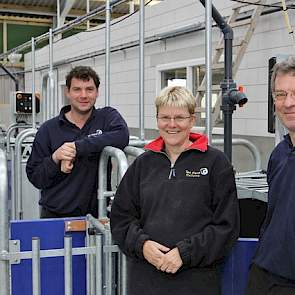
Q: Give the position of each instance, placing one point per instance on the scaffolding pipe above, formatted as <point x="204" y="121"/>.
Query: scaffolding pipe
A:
<point x="141" y="69"/>
<point x="208" y="16"/>
<point x="108" y="50"/>
<point x="33" y="85"/>
<point x="4" y="226"/>
<point x="63" y="28"/>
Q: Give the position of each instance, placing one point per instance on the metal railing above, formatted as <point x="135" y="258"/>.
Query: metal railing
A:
<point x="4" y="236"/>
<point x="103" y="193"/>
<point x="17" y="204"/>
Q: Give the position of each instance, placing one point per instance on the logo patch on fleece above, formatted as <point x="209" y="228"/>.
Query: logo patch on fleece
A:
<point x="202" y="172"/>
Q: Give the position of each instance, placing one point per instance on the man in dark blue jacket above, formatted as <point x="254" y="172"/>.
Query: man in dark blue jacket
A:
<point x="65" y="154"/>
<point x="273" y="270"/>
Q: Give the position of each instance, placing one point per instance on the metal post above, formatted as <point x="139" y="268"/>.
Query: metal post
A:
<point x="98" y="263"/>
<point x="36" y="266"/>
<point x="68" y="265"/>
<point x="33" y="85"/>
<point x="209" y="69"/>
<point x="87" y="11"/>
<point x="141" y="69"/>
<point x="108" y="266"/>
<point x="4" y="226"/>
<point x="51" y="99"/>
<point x="107" y="56"/>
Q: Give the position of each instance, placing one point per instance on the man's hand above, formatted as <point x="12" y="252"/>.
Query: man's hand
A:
<point x="154" y="252"/>
<point x="171" y="261"/>
<point x="66" y="166"/>
<point x="65" y="152"/>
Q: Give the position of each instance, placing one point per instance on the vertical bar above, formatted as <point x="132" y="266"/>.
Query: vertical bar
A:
<point x="209" y="69"/>
<point x="4" y="226"/>
<point x="107" y="60"/>
<point x="141" y="69"/>
<point x="91" y="267"/>
<point x="58" y="12"/>
<point x="33" y="85"/>
<point x="5" y="38"/>
<point x="98" y="264"/>
<point x="107" y="267"/>
<point x="87" y="11"/>
<point x="123" y="276"/>
<point x="68" y="265"/>
<point x="36" y="266"/>
<point x="53" y="105"/>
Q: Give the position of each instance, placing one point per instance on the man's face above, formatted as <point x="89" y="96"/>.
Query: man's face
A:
<point x="82" y="95"/>
<point x="285" y="106"/>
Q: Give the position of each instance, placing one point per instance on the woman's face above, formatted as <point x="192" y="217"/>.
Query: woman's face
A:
<point x="174" y="124"/>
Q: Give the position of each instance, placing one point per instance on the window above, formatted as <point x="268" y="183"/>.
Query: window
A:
<point x="191" y="74"/>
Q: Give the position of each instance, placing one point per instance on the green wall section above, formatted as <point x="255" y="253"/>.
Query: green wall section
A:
<point x="19" y="34"/>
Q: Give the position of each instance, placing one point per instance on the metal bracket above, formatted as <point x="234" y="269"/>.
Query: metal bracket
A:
<point x="14" y="250"/>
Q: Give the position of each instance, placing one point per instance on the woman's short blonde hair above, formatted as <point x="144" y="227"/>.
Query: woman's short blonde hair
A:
<point x="176" y="96"/>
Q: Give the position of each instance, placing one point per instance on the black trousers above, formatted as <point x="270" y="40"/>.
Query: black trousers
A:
<point x="262" y="282"/>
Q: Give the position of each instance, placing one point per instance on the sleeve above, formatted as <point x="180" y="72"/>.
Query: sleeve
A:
<point x="217" y="238"/>
<point x="126" y="229"/>
<point x="115" y="134"/>
<point x="41" y="170"/>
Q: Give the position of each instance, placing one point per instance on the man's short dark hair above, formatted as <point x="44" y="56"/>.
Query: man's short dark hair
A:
<point x="82" y="73"/>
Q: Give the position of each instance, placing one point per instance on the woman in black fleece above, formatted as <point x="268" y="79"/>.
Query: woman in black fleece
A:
<point x="175" y="213"/>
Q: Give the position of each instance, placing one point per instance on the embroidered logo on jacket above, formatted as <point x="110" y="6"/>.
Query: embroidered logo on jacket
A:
<point x="202" y="172"/>
<point x="95" y="134"/>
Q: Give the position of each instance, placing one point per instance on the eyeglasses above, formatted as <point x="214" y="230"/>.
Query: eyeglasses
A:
<point x="177" y="119"/>
<point x="281" y="95"/>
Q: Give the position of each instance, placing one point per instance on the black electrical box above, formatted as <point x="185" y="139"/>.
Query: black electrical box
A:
<point x="23" y="103"/>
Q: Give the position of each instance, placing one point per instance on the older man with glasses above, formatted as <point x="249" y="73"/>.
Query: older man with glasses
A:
<point x="273" y="269"/>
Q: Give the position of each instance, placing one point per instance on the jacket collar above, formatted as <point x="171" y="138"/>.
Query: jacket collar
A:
<point x="200" y="142"/>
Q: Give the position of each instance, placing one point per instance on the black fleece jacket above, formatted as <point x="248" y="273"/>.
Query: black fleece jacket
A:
<point x="192" y="205"/>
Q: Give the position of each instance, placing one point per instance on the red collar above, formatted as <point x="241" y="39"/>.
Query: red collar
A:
<point x="200" y="142"/>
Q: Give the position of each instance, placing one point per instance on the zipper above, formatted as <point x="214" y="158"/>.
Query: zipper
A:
<point x="172" y="173"/>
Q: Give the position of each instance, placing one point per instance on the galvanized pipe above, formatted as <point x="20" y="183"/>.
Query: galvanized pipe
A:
<point x="36" y="277"/>
<point x="98" y="264"/>
<point x="33" y="84"/>
<point x="248" y="144"/>
<point x="102" y="179"/>
<point x="141" y="69"/>
<point x="11" y="128"/>
<point x="108" y="50"/>
<point x="68" y="268"/>
<point x="53" y="105"/>
<point x="18" y="207"/>
<point x="4" y="226"/>
<point x="108" y="265"/>
<point x="123" y="274"/>
<point x="133" y="151"/>
<point x="208" y="16"/>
